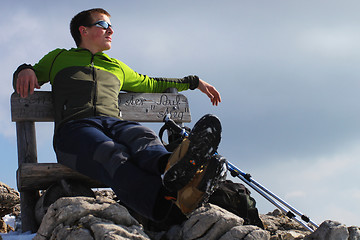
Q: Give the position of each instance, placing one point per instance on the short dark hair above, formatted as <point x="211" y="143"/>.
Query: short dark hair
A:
<point x="83" y="18"/>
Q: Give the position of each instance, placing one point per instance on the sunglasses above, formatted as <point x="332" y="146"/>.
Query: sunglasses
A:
<point x="102" y="24"/>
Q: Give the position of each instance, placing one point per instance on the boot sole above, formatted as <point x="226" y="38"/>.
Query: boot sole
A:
<point x="217" y="167"/>
<point x="204" y="140"/>
<point x="199" y="190"/>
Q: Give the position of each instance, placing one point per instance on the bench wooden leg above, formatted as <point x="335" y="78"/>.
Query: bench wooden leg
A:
<point x="26" y="144"/>
<point x="28" y="201"/>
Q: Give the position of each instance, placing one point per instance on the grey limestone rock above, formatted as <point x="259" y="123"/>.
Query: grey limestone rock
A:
<point x="209" y="222"/>
<point x="247" y="233"/>
<point x="329" y="230"/>
<point x="9" y="199"/>
<point x="354" y="233"/>
<point x="88" y="218"/>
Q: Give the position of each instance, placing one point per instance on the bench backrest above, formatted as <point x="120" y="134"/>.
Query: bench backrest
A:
<point x="140" y="107"/>
<point x="38" y="107"/>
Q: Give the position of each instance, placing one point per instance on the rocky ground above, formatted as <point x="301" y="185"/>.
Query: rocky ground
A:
<point x="9" y="204"/>
<point x="103" y="218"/>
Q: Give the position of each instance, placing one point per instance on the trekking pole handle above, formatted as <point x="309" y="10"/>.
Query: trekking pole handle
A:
<point x="174" y="126"/>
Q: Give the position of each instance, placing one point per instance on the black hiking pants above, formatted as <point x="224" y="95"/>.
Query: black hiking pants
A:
<point x="124" y="155"/>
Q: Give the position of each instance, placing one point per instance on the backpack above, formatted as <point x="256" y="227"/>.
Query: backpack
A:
<point x="235" y="198"/>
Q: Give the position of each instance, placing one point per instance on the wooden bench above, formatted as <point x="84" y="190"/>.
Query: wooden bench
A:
<point x="33" y="176"/>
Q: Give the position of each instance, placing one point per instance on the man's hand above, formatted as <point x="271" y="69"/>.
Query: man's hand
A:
<point x="26" y="82"/>
<point x="210" y="91"/>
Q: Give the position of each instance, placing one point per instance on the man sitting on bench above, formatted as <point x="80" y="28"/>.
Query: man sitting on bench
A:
<point x="91" y="138"/>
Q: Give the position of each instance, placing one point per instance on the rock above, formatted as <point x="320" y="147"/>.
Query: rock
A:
<point x="174" y="233"/>
<point x="9" y="199"/>
<point x="102" y="218"/>
<point x="354" y="233"/>
<point x="97" y="228"/>
<point x="9" y="204"/>
<point x="67" y="232"/>
<point x="288" y="235"/>
<point x="88" y="218"/>
<point x="5" y="228"/>
<point x="329" y="230"/>
<point x="62" y="188"/>
<point x="209" y="222"/>
<point x="277" y="221"/>
<point x="106" y="194"/>
<point x="282" y="227"/>
<point x="247" y="232"/>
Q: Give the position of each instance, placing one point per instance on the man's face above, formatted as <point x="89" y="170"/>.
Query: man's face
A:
<point x="98" y="39"/>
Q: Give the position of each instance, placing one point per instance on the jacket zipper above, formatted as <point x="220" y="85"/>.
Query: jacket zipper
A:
<point x="95" y="83"/>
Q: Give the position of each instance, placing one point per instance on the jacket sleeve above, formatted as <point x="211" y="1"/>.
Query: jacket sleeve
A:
<point x="135" y="82"/>
<point x="42" y="68"/>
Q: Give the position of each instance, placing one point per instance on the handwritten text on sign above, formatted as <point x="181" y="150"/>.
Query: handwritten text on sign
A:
<point x="159" y="104"/>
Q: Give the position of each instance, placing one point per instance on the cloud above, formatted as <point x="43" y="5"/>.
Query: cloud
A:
<point x="26" y="43"/>
<point x="322" y="188"/>
<point x="295" y="194"/>
<point x="337" y="42"/>
<point x="24" y="25"/>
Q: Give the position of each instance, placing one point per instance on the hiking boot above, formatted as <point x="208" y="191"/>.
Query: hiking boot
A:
<point x="192" y="153"/>
<point x="200" y="188"/>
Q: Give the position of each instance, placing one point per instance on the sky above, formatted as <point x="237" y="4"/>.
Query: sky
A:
<point x="287" y="72"/>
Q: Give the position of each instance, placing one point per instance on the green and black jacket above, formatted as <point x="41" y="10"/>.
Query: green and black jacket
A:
<point x="86" y="84"/>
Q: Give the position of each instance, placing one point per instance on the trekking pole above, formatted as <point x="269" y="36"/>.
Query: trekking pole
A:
<point x="246" y="177"/>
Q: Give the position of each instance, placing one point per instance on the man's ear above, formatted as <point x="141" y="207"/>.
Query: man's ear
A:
<point x="82" y="30"/>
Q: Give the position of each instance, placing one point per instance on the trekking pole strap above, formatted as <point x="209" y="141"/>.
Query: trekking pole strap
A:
<point x="174" y="126"/>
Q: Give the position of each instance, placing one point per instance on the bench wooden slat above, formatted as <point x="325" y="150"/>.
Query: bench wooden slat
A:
<point x="140" y="107"/>
<point x="40" y="176"/>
